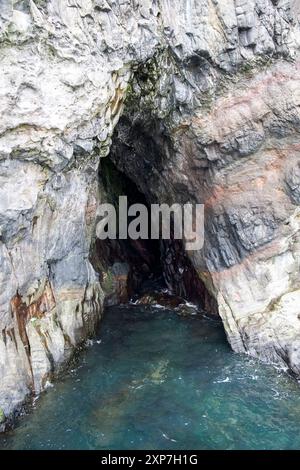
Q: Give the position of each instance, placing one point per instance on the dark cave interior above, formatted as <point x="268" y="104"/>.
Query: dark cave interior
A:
<point x="153" y="265"/>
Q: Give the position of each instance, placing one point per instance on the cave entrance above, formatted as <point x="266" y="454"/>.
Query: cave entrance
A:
<point x="133" y="266"/>
<point x="130" y="268"/>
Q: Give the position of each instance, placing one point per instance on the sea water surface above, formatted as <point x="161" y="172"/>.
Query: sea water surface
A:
<point x="156" y="380"/>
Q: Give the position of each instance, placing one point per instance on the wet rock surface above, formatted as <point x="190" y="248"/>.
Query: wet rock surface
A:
<point x="211" y="116"/>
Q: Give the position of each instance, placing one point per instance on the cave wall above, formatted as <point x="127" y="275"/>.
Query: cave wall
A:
<point x="238" y="155"/>
<point x="220" y="80"/>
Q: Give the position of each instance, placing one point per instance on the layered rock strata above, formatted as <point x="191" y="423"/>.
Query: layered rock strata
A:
<point x="212" y="116"/>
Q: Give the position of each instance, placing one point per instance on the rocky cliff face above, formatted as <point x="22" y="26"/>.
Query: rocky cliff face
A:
<point x="205" y="95"/>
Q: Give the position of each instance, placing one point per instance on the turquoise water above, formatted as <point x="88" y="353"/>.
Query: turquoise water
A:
<point x="155" y="380"/>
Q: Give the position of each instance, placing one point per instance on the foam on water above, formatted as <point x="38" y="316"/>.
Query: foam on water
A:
<point x="156" y="380"/>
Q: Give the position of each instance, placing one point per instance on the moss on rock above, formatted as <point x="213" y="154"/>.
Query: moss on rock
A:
<point x="2" y="416"/>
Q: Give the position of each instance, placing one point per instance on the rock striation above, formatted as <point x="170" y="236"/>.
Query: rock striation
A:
<point x="194" y="100"/>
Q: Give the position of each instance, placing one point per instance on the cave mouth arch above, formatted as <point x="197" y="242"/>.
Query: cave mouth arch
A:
<point x="144" y="265"/>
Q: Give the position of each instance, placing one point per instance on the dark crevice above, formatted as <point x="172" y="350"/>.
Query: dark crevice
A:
<point x="138" y="266"/>
<point x="143" y="254"/>
<point x="131" y="264"/>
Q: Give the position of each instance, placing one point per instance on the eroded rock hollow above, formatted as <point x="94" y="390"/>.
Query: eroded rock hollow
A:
<point x="193" y="101"/>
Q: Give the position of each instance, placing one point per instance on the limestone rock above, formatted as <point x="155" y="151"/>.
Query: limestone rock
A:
<point x="217" y="88"/>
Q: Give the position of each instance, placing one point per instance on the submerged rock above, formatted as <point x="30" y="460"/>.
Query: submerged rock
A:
<point x="164" y="299"/>
<point x="170" y="302"/>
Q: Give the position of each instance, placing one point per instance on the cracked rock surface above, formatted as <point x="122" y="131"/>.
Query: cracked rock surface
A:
<point x="203" y="96"/>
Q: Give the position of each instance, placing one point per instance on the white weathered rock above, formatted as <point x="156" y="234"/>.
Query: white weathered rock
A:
<point x="65" y="67"/>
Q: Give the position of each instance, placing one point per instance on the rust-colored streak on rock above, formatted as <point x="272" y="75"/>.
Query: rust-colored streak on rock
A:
<point x="20" y="311"/>
<point x="45" y="303"/>
<point x="90" y="210"/>
<point x="23" y="313"/>
<point x="122" y="287"/>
